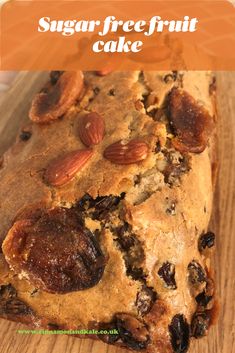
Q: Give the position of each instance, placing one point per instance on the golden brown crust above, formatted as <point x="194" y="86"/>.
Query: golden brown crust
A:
<point x="147" y="215"/>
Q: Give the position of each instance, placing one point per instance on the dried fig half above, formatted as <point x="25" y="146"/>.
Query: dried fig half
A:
<point x="191" y="122"/>
<point x="58" y="98"/>
<point x="55" y="251"/>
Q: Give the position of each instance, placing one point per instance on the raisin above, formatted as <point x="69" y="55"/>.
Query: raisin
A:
<point x="136" y="273"/>
<point x="56" y="252"/>
<point x="133" y="251"/>
<point x="158" y="147"/>
<point x="85" y="203"/>
<point x="109" y="338"/>
<point x="126" y="242"/>
<point x="52" y="326"/>
<point x="196" y="273"/>
<point x="134" y="257"/>
<point x="16" y="307"/>
<point x="212" y="87"/>
<point x="133" y="332"/>
<point x="123" y="230"/>
<point x="207" y="240"/>
<point x="25" y="135"/>
<point x="167" y="273"/>
<point x="176" y="166"/>
<point x="170" y="77"/>
<point x="152" y="113"/>
<point x="54" y="76"/>
<point x="34" y="292"/>
<point x="144" y="101"/>
<point x="204" y="298"/>
<point x="145" y="300"/>
<point x="104" y="205"/>
<point x="1" y="166"/>
<point x="7" y="292"/>
<point x="171" y="209"/>
<point x="200" y="324"/>
<point x="112" y="92"/>
<point x="99" y="208"/>
<point x="96" y="90"/>
<point x="10" y="304"/>
<point x="179" y="332"/>
<point x="125" y="239"/>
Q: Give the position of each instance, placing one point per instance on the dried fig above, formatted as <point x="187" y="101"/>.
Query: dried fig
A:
<point x="191" y="122"/>
<point x="58" y="98"/>
<point x="54" y="251"/>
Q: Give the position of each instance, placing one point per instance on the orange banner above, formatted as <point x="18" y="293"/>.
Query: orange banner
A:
<point x="105" y="35"/>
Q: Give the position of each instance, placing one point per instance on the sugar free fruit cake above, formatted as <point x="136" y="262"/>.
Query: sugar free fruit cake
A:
<point x="105" y="201"/>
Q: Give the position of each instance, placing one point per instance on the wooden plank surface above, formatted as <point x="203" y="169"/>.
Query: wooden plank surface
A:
<point x="14" y="107"/>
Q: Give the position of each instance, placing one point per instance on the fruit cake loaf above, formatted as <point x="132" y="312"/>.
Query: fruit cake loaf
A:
<point x="105" y="202"/>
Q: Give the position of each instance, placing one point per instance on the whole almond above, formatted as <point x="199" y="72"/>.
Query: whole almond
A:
<point x="122" y="152"/>
<point x="91" y="129"/>
<point x="105" y="70"/>
<point x="63" y="169"/>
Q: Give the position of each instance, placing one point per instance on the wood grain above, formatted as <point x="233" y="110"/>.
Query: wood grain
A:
<point x="14" y="108"/>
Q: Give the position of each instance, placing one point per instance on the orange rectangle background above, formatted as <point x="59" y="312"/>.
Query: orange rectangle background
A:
<point x="211" y="46"/>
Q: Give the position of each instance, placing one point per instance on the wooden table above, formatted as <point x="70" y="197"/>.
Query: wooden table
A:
<point x="14" y="107"/>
